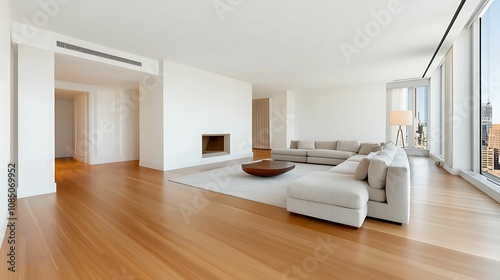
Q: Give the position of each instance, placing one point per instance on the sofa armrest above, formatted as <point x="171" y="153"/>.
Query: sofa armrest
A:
<point x="398" y="188"/>
<point x="396" y="208"/>
<point x="398" y="185"/>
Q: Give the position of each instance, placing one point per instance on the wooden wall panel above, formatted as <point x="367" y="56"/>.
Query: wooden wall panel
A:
<point x="261" y="119"/>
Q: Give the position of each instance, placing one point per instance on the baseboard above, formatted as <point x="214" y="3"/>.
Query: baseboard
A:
<point x="436" y="158"/>
<point x="79" y="158"/>
<point x="151" y="164"/>
<point x="440" y="160"/>
<point x="451" y="170"/>
<point x="23" y="192"/>
<point x="481" y="182"/>
<point x="63" y="155"/>
<point x="417" y="152"/>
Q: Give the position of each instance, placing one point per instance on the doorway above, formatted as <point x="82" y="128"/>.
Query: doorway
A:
<point x="70" y="124"/>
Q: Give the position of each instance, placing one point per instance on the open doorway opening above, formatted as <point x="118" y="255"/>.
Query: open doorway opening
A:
<point x="70" y="124"/>
<point x="105" y="108"/>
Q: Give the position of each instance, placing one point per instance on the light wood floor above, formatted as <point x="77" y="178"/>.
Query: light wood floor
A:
<point x="121" y="221"/>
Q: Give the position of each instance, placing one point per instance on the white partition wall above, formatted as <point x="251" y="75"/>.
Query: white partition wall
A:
<point x="113" y="126"/>
<point x="35" y="121"/>
<point x="5" y="107"/>
<point x="198" y="102"/>
<point x="151" y="123"/>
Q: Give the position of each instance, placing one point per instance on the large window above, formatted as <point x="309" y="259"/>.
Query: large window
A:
<point x="490" y="91"/>
<point x="420" y="107"/>
<point x="416" y="100"/>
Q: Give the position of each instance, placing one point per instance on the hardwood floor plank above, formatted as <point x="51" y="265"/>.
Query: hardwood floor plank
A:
<point x="121" y="221"/>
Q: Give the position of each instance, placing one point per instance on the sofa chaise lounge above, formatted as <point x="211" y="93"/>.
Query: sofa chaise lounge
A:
<point x="376" y="184"/>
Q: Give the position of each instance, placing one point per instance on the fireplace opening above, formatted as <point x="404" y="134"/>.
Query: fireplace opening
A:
<point x="214" y="145"/>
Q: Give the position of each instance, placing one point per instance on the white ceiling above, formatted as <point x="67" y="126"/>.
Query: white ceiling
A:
<point x="75" y="69"/>
<point x="275" y="45"/>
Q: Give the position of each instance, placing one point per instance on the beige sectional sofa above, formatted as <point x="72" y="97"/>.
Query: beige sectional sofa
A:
<point x="372" y="182"/>
<point x="323" y="152"/>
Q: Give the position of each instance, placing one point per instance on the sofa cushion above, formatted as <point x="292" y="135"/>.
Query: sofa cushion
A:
<point x="293" y="144"/>
<point x="306" y="145"/>
<point x="356" y="158"/>
<point x="349" y="146"/>
<point x="347" y="167"/>
<point x="377" y="170"/>
<point x="289" y="158"/>
<point x="330" y="154"/>
<point x="327" y="145"/>
<point x="362" y="168"/>
<point x="376" y="194"/>
<point x="324" y="160"/>
<point x="290" y="152"/>
<point x="330" y="188"/>
<point x="367" y="148"/>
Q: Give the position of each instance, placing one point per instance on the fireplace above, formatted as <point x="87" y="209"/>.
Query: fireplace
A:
<point x="214" y="145"/>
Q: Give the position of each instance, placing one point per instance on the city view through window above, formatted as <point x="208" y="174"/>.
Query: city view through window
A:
<point x="490" y="94"/>
<point x="416" y="100"/>
<point x="421" y="114"/>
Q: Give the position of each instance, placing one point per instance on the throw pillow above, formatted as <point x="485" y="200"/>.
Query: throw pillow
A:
<point x="377" y="148"/>
<point x="367" y="148"/>
<point x="293" y="144"/>
<point x="348" y="146"/>
<point x="388" y="143"/>
<point x="377" y="170"/>
<point x="306" y="145"/>
<point x="362" y="169"/>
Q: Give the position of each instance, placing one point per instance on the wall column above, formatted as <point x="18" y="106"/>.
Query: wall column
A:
<point x="35" y="79"/>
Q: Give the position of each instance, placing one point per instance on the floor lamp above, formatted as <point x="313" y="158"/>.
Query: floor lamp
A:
<point x="400" y="118"/>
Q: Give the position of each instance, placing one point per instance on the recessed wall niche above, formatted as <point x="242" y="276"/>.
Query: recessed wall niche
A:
<point x="215" y="145"/>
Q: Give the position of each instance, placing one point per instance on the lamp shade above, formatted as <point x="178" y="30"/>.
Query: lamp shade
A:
<point x="401" y="118"/>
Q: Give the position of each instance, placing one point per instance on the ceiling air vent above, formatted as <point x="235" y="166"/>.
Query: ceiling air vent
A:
<point x="96" y="53"/>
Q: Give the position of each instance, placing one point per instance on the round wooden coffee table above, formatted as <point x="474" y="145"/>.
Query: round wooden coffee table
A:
<point x="267" y="168"/>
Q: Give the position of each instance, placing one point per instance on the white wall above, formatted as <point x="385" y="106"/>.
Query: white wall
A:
<point x="5" y="108"/>
<point x="35" y="121"/>
<point x="113" y="126"/>
<point x="64" y="128"/>
<point x="151" y="123"/>
<point x="348" y="113"/>
<point x="462" y="102"/>
<point x="282" y="114"/>
<point x="434" y="137"/>
<point x="199" y="102"/>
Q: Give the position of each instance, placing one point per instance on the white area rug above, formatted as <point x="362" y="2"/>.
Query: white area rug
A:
<point x="232" y="180"/>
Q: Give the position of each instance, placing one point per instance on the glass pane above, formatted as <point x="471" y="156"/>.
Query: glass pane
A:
<point x="442" y="110"/>
<point x="490" y="94"/>
<point x="398" y="101"/>
<point x="420" y="123"/>
<point x="414" y="100"/>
